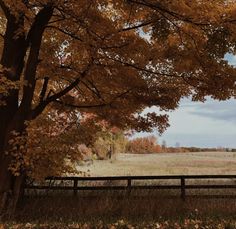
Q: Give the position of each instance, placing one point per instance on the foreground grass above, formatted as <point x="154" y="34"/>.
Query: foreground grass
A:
<point x="121" y="211"/>
<point x="125" y="224"/>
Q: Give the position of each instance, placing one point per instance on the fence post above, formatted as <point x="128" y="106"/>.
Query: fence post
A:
<point x="75" y="186"/>
<point x="183" y="188"/>
<point x="129" y="185"/>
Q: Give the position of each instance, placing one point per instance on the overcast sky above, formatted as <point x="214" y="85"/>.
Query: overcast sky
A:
<point x="209" y="124"/>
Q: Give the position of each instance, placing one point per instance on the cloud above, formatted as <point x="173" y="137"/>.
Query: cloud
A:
<point x="208" y="124"/>
<point x="217" y="110"/>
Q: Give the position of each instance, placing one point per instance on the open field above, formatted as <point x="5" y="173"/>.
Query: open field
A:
<point x="165" y="164"/>
<point x="87" y="209"/>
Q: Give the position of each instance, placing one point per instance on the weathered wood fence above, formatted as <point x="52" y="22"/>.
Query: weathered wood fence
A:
<point x="129" y="184"/>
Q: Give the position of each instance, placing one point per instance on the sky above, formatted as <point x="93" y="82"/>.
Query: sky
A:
<point x="208" y="124"/>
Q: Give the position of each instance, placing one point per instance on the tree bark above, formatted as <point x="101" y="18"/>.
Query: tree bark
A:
<point x="10" y="184"/>
<point x="13" y="61"/>
<point x="14" y="114"/>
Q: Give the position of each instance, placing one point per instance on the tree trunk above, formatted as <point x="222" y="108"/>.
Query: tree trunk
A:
<point x="11" y="191"/>
<point x="14" y="114"/>
<point x="12" y="60"/>
<point x="10" y="185"/>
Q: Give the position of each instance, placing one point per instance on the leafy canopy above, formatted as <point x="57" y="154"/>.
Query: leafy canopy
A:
<point x="96" y="54"/>
<point x="113" y="58"/>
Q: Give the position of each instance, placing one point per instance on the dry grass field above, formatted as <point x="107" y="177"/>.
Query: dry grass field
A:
<point x="165" y="164"/>
<point x="144" y="209"/>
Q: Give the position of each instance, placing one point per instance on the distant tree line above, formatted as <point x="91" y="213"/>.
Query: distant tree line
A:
<point x="109" y="143"/>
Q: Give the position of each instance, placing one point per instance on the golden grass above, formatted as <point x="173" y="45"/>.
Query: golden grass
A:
<point x="165" y="164"/>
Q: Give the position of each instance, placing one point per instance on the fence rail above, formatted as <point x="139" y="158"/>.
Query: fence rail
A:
<point x="182" y="186"/>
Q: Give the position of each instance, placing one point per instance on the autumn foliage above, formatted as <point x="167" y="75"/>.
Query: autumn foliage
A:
<point x="143" y="145"/>
<point x="111" y="58"/>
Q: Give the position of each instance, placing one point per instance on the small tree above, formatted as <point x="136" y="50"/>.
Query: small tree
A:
<point x="143" y="145"/>
<point x="164" y="146"/>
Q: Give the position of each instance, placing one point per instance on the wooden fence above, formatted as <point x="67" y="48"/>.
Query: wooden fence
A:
<point x="129" y="183"/>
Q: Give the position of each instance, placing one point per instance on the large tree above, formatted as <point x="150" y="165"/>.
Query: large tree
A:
<point x="111" y="57"/>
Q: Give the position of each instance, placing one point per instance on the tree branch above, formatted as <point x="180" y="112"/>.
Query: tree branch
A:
<point x="104" y="104"/>
<point x="70" y="87"/>
<point x="82" y="106"/>
<point x="94" y="89"/>
<point x="41" y="106"/>
<point x="72" y="35"/>
<point x="137" y="26"/>
<point x="34" y="39"/>
<point x="176" y="15"/>
<point x="142" y="69"/>
<point x="44" y="89"/>
<point x="5" y="9"/>
<point x="76" y="37"/>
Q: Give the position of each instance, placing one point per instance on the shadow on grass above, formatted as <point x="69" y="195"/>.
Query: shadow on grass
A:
<point x="110" y="206"/>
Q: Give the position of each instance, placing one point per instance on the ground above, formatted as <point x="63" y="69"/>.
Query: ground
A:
<point x="206" y="163"/>
<point x="148" y="209"/>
